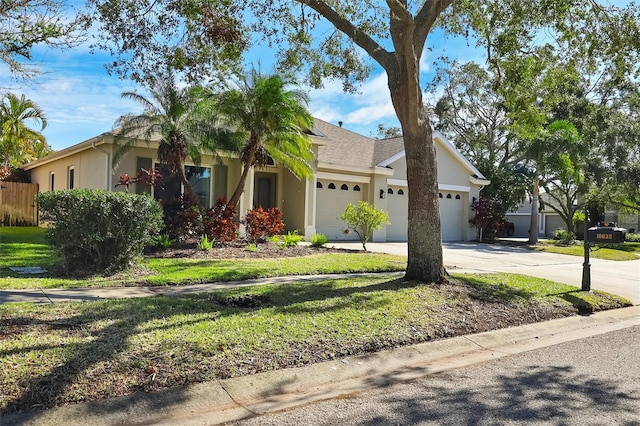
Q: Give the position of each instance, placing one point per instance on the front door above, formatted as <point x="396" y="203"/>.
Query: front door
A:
<point x="265" y="190"/>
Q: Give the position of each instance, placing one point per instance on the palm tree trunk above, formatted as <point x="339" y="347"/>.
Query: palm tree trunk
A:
<point x="246" y="166"/>
<point x="533" y="227"/>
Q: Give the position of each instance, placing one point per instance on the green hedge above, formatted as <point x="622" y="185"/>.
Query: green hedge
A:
<point x="99" y="231"/>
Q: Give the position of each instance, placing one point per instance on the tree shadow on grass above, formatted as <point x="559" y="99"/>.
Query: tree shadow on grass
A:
<point x="111" y="325"/>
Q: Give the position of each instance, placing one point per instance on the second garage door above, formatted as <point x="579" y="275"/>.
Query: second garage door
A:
<point x="451" y="213"/>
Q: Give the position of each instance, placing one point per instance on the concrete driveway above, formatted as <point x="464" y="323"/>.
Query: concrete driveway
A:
<point x="622" y="278"/>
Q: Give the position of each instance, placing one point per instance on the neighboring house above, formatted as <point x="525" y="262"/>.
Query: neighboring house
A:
<point x="629" y="221"/>
<point x="548" y="220"/>
<point x="349" y="167"/>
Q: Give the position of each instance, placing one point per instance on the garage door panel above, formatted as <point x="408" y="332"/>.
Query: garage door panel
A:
<point x="331" y="201"/>
<point x="451" y="214"/>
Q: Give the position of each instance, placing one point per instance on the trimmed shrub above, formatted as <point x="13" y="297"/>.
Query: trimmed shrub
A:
<point x="633" y="238"/>
<point x="261" y="224"/>
<point x="563" y="237"/>
<point x="99" y="231"/>
<point x="319" y="240"/>
<point x="218" y="222"/>
<point x="291" y="239"/>
<point x="363" y="219"/>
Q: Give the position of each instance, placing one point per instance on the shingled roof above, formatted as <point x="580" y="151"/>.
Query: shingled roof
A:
<point x="343" y="147"/>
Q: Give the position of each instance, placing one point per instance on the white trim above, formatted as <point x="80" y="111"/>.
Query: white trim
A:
<point x="456" y="188"/>
<point x="479" y="182"/>
<point x="342" y="177"/>
<point x="71" y="183"/>
<point x="393" y="159"/>
<point x="397" y="182"/>
<point x="343" y="168"/>
<point x="443" y="187"/>
<point x="517" y="214"/>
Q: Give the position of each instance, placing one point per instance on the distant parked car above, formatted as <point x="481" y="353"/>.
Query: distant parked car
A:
<point x="505" y="228"/>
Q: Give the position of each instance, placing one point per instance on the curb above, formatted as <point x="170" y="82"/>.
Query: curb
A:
<point x="237" y="398"/>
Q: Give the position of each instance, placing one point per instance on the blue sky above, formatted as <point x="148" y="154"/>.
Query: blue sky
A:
<point x="81" y="100"/>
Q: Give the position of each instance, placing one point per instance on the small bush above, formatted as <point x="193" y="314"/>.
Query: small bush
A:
<point x="633" y="238"/>
<point x="99" y="231"/>
<point x="364" y="219"/>
<point x="261" y="224"/>
<point x="563" y="237"/>
<point x="182" y="217"/>
<point x="205" y="243"/>
<point x="285" y="241"/>
<point x="218" y="222"/>
<point x="252" y="248"/>
<point x="319" y="240"/>
<point x="164" y="241"/>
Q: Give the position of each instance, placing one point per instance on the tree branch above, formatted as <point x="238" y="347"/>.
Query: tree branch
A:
<point x="359" y="37"/>
<point x="424" y="20"/>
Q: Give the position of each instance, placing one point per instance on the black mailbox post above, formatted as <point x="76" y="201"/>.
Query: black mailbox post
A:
<point x="607" y="235"/>
<point x="598" y="235"/>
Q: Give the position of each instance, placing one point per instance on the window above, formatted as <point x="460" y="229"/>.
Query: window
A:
<point x="356" y="188"/>
<point x="390" y="191"/>
<point x="448" y="196"/>
<point x="200" y="181"/>
<point x="319" y="185"/>
<point x="332" y="186"/>
<point x="457" y="196"/>
<point x="52" y="181"/>
<point x="344" y="187"/>
<point x="400" y="192"/>
<point x="440" y="195"/>
<point x="71" y="177"/>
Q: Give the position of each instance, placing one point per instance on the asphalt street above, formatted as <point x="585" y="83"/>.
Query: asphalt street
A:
<point x="592" y="381"/>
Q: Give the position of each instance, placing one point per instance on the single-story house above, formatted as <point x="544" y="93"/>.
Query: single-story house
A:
<point x="348" y="167"/>
<point x="548" y="219"/>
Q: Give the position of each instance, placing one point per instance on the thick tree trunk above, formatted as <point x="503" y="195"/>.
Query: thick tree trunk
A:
<point x="425" y="262"/>
<point x="533" y="226"/>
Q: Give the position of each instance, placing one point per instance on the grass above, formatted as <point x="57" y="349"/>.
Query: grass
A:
<point x="26" y="247"/>
<point x="619" y="252"/>
<point x="71" y="352"/>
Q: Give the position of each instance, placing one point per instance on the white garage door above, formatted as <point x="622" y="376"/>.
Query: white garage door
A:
<point x="451" y="209"/>
<point x="398" y="218"/>
<point x="331" y="199"/>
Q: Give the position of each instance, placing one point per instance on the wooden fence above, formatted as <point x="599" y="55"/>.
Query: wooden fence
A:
<point x="18" y="204"/>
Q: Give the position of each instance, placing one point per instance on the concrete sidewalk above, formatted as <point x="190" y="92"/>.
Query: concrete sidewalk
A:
<point x="233" y="399"/>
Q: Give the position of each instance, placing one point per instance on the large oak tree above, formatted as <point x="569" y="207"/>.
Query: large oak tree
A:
<point x="338" y="39"/>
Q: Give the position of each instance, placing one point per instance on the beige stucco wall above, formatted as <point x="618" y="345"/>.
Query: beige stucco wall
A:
<point x="89" y="171"/>
<point x="292" y="198"/>
<point x="450" y="171"/>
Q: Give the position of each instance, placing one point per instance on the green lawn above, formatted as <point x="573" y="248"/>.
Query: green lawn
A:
<point x="71" y="352"/>
<point x="26" y="247"/>
<point x="621" y="252"/>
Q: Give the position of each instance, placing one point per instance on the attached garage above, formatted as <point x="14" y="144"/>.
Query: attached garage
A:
<point x="332" y="197"/>
<point x="451" y="214"/>
<point x="397" y="202"/>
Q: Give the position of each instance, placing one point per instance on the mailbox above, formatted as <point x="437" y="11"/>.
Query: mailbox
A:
<point x="607" y="234"/>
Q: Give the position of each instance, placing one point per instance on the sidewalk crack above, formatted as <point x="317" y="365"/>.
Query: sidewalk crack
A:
<point x="237" y="402"/>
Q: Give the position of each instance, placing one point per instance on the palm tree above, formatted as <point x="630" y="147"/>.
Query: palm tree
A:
<point x="271" y="121"/>
<point x="176" y="116"/>
<point x="20" y="142"/>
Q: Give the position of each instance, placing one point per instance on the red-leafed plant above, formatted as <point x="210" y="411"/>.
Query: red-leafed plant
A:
<point x="261" y="224"/>
<point x="219" y="223"/>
